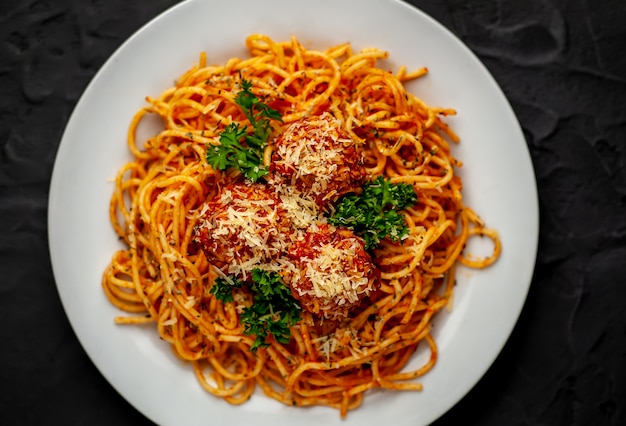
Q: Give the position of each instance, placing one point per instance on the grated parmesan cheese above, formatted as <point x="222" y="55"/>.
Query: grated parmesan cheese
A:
<point x="332" y="271"/>
<point x="317" y="157"/>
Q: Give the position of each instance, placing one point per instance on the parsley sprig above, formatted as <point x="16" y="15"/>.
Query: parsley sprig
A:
<point x="273" y="311"/>
<point x="375" y="213"/>
<point x="247" y="156"/>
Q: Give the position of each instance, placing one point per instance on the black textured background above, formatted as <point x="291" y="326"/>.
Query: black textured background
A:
<point x="562" y="66"/>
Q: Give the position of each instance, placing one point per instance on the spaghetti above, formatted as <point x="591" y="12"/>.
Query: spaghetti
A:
<point x="161" y="197"/>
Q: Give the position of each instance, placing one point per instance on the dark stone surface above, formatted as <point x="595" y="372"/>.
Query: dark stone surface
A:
<point x="562" y="66"/>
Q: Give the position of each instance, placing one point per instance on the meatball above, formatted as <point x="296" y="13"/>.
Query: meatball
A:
<point x="332" y="271"/>
<point x="242" y="228"/>
<point x="317" y="157"/>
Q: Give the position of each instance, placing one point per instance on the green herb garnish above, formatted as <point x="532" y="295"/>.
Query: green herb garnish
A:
<point x="223" y="288"/>
<point x="273" y="310"/>
<point x="374" y="214"/>
<point x="247" y="156"/>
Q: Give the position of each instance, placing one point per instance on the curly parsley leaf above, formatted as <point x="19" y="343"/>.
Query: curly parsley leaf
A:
<point x="273" y="310"/>
<point x="247" y="156"/>
<point x="375" y="213"/>
<point x="258" y="113"/>
<point x="223" y="288"/>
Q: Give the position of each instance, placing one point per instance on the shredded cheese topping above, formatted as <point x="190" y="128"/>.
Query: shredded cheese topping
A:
<point x="334" y="274"/>
<point x="311" y="154"/>
<point x="253" y="225"/>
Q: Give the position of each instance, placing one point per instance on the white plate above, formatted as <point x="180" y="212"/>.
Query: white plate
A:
<point x="498" y="182"/>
